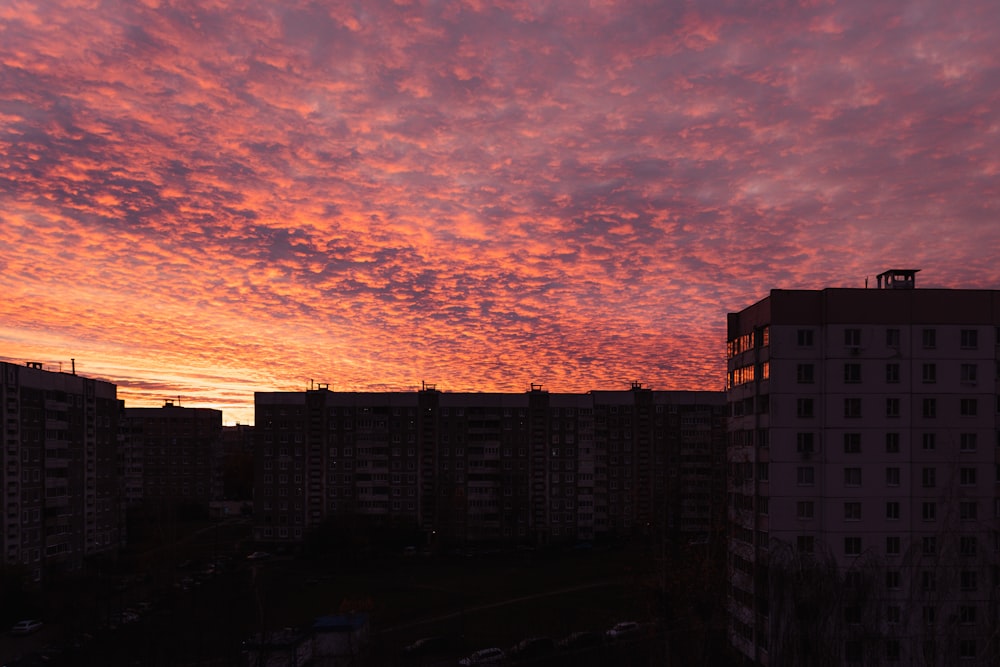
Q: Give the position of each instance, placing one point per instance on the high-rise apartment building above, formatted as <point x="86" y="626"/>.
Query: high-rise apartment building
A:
<point x="862" y="454"/>
<point x="60" y="497"/>
<point x="178" y="452"/>
<point x="462" y="468"/>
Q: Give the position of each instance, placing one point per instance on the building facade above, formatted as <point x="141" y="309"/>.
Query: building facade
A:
<point x="178" y="453"/>
<point x="60" y="501"/>
<point x="462" y="468"/>
<point x="862" y="492"/>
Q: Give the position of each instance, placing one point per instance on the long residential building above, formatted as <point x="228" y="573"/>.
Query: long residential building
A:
<point x="60" y="500"/>
<point x="466" y="468"/>
<point x="863" y="476"/>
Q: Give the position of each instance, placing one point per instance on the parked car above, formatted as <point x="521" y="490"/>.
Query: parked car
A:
<point x="26" y="627"/>
<point x="425" y="646"/>
<point x="532" y="647"/>
<point x="259" y="555"/>
<point x="622" y="630"/>
<point x="583" y="639"/>
<point x="484" y="656"/>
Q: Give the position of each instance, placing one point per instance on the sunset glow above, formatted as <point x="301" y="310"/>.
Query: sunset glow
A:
<point x="201" y="200"/>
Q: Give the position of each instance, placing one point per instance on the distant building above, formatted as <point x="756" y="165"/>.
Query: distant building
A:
<point x="863" y="477"/>
<point x="237" y="462"/>
<point x="60" y="501"/>
<point x="464" y="468"/>
<point x="181" y="456"/>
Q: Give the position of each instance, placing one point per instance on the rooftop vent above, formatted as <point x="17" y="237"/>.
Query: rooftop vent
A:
<point x="897" y="279"/>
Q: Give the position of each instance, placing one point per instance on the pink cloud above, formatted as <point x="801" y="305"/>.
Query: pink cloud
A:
<point x="205" y="200"/>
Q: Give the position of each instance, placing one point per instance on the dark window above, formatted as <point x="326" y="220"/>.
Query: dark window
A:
<point x="892" y="373"/>
<point x="852" y="337"/>
<point x="892" y="407"/>
<point x="929" y="338"/>
<point x="852" y="443"/>
<point x="804" y="407"/>
<point x="805" y="337"/>
<point x="891" y="443"/>
<point x="892" y="337"/>
<point x="852" y="407"/>
<point x="805" y="373"/>
<point x="852" y="373"/>
<point x="969" y="339"/>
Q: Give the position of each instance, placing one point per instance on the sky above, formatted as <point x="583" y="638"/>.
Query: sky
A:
<point x="204" y="199"/>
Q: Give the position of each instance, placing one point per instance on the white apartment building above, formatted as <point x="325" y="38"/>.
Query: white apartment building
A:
<point x="862" y="493"/>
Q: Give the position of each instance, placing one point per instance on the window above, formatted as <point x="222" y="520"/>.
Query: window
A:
<point x="852" y="511"/>
<point x="967" y="545"/>
<point x="969" y="339"/>
<point x="852" y="407"/>
<point x="892" y="476"/>
<point x="804" y="407"/>
<point x="967" y="476"/>
<point x="929" y="338"/>
<point x="852" y="337"/>
<point x="928" y="581"/>
<point x="967" y="442"/>
<point x="852" y="546"/>
<point x="929" y="511"/>
<point x="852" y="443"/>
<point x="892" y="650"/>
<point x="892" y="510"/>
<point x="928" y="441"/>
<point x="968" y="510"/>
<point x="852" y="476"/>
<point x="852" y="614"/>
<point x="805" y="475"/>
<point x="891" y="443"/>
<point x="805" y="373"/>
<point x="966" y="649"/>
<point x="892" y="338"/>
<point x="892" y="579"/>
<point x="967" y="580"/>
<point x="804" y="443"/>
<point x="929" y="408"/>
<point x="967" y="615"/>
<point x="928" y="545"/>
<point x="805" y="543"/>
<point x="968" y="407"/>
<point x="929" y="614"/>
<point x="892" y="407"/>
<point x="968" y="373"/>
<point x="804" y="337"/>
<point x="929" y="374"/>
<point x="804" y="509"/>
<point x="892" y="373"/>
<point x="893" y="614"/>
<point x="852" y="373"/>
<point x="929" y="477"/>
<point x="892" y="546"/>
